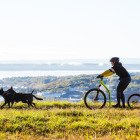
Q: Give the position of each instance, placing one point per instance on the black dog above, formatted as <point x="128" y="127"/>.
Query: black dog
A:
<point x="7" y="97"/>
<point x="10" y="96"/>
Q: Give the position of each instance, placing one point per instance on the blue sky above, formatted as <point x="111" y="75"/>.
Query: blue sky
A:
<point x="69" y="29"/>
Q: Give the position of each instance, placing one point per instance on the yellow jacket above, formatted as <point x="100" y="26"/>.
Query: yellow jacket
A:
<point x="107" y="73"/>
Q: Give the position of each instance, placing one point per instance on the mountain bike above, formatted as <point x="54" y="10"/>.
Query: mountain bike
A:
<point x="96" y="98"/>
<point x="134" y="101"/>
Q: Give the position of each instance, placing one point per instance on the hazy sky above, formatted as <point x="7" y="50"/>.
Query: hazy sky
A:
<point x="69" y="29"/>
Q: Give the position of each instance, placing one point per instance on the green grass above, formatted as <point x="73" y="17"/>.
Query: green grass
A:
<point x="68" y="121"/>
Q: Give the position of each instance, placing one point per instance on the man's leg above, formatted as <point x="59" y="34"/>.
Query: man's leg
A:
<point x="121" y="87"/>
<point x="119" y="91"/>
<point x="123" y="99"/>
<point x="122" y="96"/>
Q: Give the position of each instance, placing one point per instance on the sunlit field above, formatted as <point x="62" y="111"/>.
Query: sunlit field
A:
<point x="68" y="121"/>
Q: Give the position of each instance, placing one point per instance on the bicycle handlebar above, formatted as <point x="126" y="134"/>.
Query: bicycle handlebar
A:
<point x="101" y="78"/>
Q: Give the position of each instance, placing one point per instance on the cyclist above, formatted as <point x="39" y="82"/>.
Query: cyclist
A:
<point x="124" y="78"/>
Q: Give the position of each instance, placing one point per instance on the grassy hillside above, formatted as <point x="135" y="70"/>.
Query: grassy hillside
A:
<point x="68" y="121"/>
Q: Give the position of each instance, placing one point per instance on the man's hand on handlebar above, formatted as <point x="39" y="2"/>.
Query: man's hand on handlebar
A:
<point x="100" y="76"/>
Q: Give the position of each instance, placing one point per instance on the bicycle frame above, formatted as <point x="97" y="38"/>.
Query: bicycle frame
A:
<point x="107" y="89"/>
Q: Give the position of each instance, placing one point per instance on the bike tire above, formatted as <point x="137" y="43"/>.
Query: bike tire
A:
<point x="130" y="99"/>
<point x="94" y="105"/>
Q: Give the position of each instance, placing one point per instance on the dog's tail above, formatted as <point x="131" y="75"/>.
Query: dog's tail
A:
<point x="37" y="98"/>
<point x="32" y="92"/>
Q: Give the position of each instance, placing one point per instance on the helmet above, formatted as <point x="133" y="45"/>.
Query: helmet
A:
<point x="114" y="59"/>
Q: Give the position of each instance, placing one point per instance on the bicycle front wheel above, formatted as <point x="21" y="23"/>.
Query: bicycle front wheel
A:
<point x="134" y="101"/>
<point x="94" y="99"/>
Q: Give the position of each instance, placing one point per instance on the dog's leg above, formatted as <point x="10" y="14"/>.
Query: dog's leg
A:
<point x="12" y="104"/>
<point x="9" y="104"/>
<point x="28" y="105"/>
<point x="31" y="104"/>
<point x="34" y="104"/>
<point x="3" y="105"/>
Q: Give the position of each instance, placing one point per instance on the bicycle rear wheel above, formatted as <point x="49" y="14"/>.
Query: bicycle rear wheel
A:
<point x="94" y="99"/>
<point x="134" y="101"/>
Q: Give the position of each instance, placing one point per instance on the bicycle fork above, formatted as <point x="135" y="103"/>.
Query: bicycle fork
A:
<point x="96" y="97"/>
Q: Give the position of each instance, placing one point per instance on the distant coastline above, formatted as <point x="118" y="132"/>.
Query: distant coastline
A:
<point x="61" y="68"/>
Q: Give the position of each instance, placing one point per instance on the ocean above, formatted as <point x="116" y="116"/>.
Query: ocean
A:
<point x="9" y="74"/>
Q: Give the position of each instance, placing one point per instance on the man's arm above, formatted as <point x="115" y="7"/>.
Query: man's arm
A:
<point x="108" y="73"/>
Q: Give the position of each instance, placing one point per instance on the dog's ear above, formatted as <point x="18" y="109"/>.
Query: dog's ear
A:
<point x="1" y="89"/>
